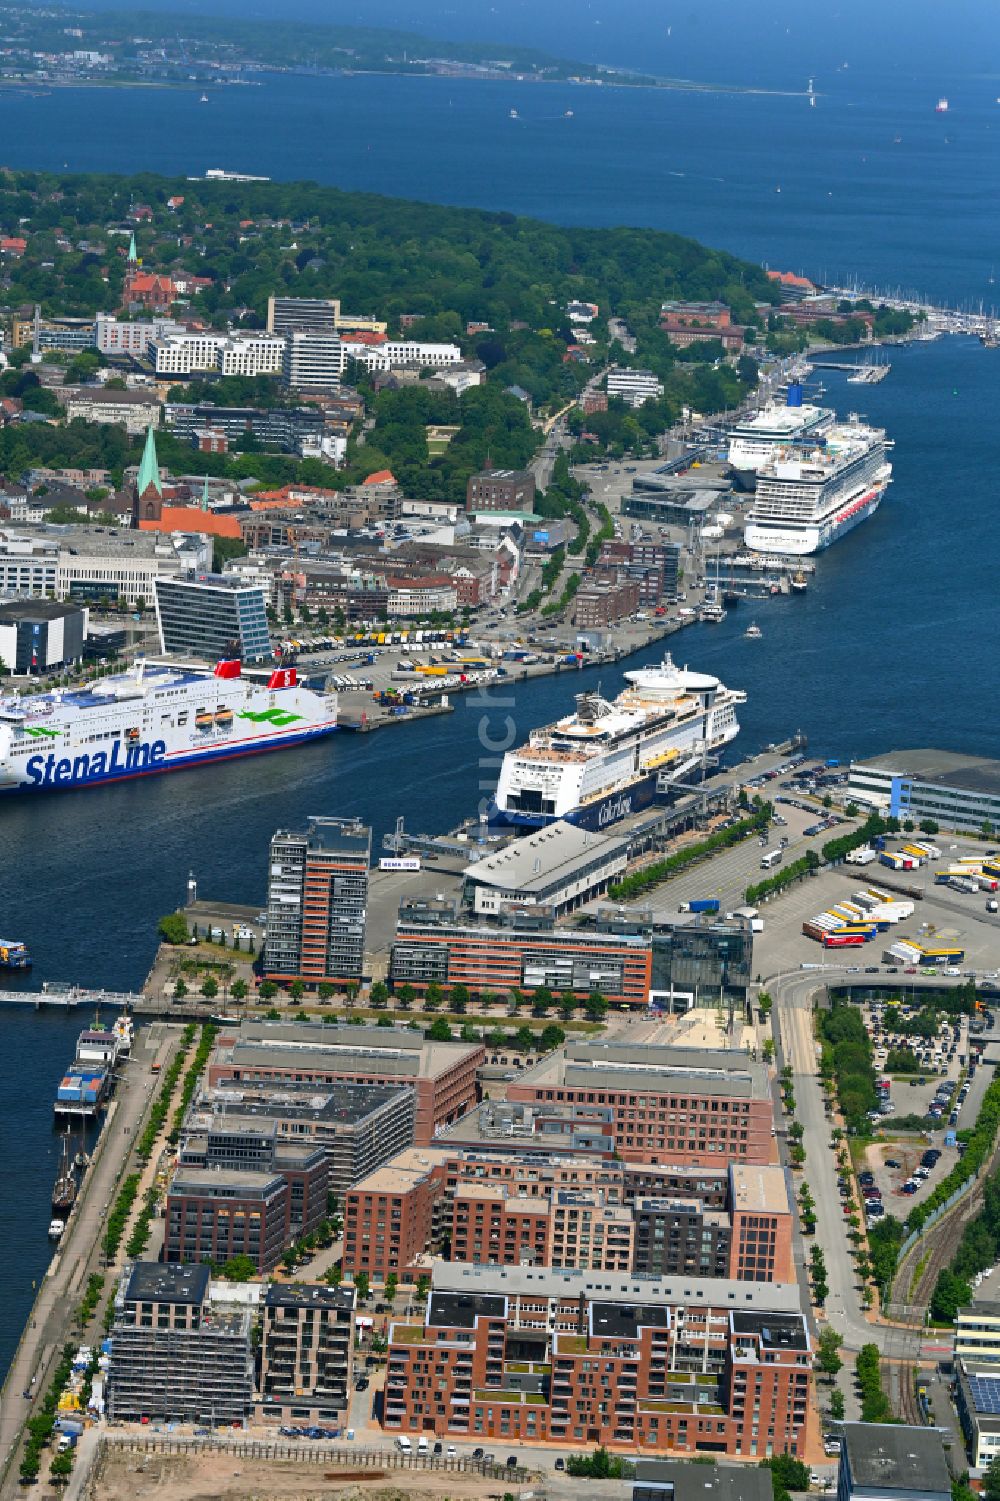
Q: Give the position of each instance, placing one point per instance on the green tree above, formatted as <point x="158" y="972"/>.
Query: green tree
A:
<point x="335" y="1275"/>
<point x="240" y="1269"/>
<point x="458" y="999"/>
<point x="767" y="1049"/>
<point x="297" y="990"/>
<point x="552" y="1037"/>
<point x="239" y="989"/>
<point x="173" y="928"/>
<point x="209" y="988"/>
<point x="362" y="1284"/>
<point x="422" y="1289"/>
<point x="837" y="1406"/>
<point x="406" y="995"/>
<point x="828" y="1352"/>
<point x="929" y="826"/>
<point x="433" y="996"/>
<point x="391" y="1286"/>
<point x="324" y="992"/>
<point x="541" y="1000"/>
<point x="379" y="995"/>
<point x="180" y="989"/>
<point x="438" y="1031"/>
<point x="268" y="990"/>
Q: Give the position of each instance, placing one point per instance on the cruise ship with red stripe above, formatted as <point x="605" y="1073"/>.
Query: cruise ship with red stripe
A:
<point x="806" y="500"/>
<point x="159" y="716"/>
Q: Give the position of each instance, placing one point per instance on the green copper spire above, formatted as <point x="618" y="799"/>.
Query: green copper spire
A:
<point x="133" y="253"/>
<point x="204" y="495"/>
<point x="149" y="469"/>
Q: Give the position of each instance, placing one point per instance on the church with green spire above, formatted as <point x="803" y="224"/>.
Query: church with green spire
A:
<point x="147" y="497"/>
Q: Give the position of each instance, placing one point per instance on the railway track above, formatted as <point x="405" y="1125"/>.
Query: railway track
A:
<point x="899" y="1385"/>
<point x="916" y="1277"/>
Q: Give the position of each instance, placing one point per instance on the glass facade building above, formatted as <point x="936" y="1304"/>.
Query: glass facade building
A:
<point x="214" y="616"/>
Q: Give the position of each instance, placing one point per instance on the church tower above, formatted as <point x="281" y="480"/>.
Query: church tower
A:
<point x="147" y="498"/>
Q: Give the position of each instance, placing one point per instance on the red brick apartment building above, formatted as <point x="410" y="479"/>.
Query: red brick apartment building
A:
<point x="441" y="1074"/>
<point x="516" y="1354"/>
<point x="510" y="1210"/>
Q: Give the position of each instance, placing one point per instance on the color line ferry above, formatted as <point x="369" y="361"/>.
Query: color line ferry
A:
<point x="602" y="763"/>
<point x="160" y="716"/>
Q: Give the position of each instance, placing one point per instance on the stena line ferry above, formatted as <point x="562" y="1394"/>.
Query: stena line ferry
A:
<point x="602" y="763"/>
<point x="159" y="716"/>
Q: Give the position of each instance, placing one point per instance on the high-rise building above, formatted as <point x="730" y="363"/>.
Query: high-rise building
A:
<point x="315" y="359"/>
<point x="213" y="615"/>
<point x="316" y="902"/>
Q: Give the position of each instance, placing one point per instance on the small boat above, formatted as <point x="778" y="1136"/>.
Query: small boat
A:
<point x="799" y="583"/>
<point x="81" y="1160"/>
<point x="204" y="719"/>
<point x="514" y="115"/>
<point x="224" y="718"/>
<point x="941" y="108"/>
<point x="567" y="114"/>
<point x="203" y="99"/>
<point x="753" y="632"/>
<point x="64" y="1189"/>
<point x="14" y="954"/>
<point x="56" y="1228"/>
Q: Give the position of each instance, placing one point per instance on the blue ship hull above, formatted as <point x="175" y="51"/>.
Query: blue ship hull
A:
<point x="179" y="763"/>
<point x="596" y="816"/>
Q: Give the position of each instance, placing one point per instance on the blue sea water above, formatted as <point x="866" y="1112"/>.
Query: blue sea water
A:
<point x="891" y="647"/>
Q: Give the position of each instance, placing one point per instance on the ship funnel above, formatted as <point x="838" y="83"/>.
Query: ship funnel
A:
<point x="794" y="397"/>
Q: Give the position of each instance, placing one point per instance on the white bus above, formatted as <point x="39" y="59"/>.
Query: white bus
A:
<point x="772" y="857"/>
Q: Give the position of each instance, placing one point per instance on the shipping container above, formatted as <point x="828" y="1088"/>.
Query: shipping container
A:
<point x="842" y="940"/>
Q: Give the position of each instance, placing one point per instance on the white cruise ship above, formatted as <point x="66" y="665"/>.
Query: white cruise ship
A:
<point x="805" y="501"/>
<point x="753" y="443"/>
<point x="160" y="716"/>
<point x="601" y="763"/>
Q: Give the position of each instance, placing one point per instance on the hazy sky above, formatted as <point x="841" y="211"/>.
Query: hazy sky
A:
<point x="745" y="41"/>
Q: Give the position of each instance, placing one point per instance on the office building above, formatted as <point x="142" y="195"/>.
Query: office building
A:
<point x="605" y="602"/>
<point x="977" y="1333"/>
<point x="585" y="1358"/>
<point x="306" y="1352"/>
<point x="442" y="1075"/>
<point x="39" y="634"/>
<point x="314" y="359"/>
<point x="698" y="1105"/>
<point x="134" y="410"/>
<point x="215" y="1214"/>
<point x="119" y="336"/>
<point x="84" y="564"/>
<point x="977" y="1401"/>
<point x="631" y="960"/>
<point x="889" y="1462"/>
<point x="560" y="867"/>
<point x="316" y="903"/>
<point x="253" y="1143"/>
<point x="634" y="387"/>
<point x="178" y="1354"/>
<point x="221" y="354"/>
<point x="501" y="490"/>
<point x="285" y="314"/>
<point x="357" y="1127"/>
<point x="287" y="428"/>
<point x="679" y="1480"/>
<point x="213" y="615"/>
<point x="956" y="791"/>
